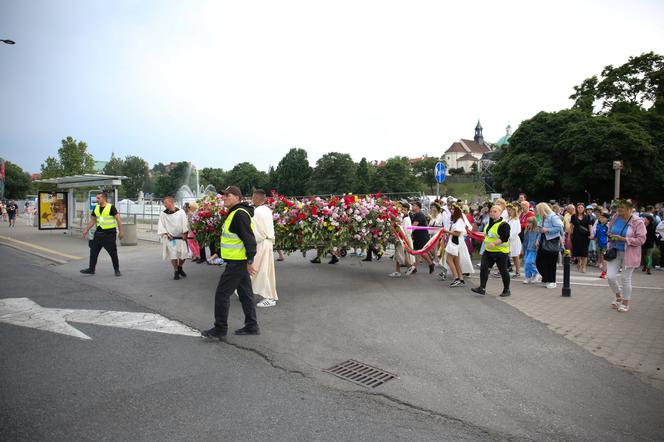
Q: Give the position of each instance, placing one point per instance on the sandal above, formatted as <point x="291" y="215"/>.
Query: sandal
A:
<point x="617" y="303"/>
<point x="623" y="308"/>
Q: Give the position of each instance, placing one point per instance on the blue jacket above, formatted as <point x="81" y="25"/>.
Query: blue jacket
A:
<point x="530" y="238"/>
<point x="602" y="235"/>
<point x="554" y="224"/>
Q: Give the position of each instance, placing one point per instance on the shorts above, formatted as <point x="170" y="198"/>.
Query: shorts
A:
<point x="601" y="251"/>
<point x="419" y="242"/>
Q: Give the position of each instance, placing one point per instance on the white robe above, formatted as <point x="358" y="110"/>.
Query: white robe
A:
<point x="515" y="241"/>
<point x="176" y="225"/>
<point x="464" y="256"/>
<point x="264" y="283"/>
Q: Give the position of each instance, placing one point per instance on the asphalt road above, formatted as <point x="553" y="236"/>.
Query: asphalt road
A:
<point x="136" y="385"/>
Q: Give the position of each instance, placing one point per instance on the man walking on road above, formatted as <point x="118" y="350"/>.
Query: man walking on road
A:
<point x="264" y="282"/>
<point x="238" y="248"/>
<point x="109" y="224"/>
<point x="173" y="228"/>
<point x="496" y="250"/>
<point x="12" y="211"/>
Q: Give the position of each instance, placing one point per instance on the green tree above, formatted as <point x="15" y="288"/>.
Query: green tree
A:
<point x="214" y="176"/>
<point x="73" y="159"/>
<point x="138" y="174"/>
<point x="362" y="183"/>
<point x="17" y="182"/>
<point x="334" y="173"/>
<point x="271" y="180"/>
<point x="585" y="94"/>
<point x="168" y="184"/>
<point x="397" y="176"/>
<point x="293" y="173"/>
<point x="115" y="166"/>
<point x="246" y="177"/>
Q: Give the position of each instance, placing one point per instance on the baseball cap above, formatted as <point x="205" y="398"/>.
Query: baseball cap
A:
<point x="233" y="190"/>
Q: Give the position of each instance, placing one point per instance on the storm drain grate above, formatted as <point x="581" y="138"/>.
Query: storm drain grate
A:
<point x="361" y="374"/>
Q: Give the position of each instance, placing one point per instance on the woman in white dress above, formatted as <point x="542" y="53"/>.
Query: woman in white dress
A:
<point x="457" y="255"/>
<point x="515" y="241"/>
<point x="401" y="257"/>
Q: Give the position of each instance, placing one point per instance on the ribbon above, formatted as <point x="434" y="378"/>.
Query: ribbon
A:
<point x="427" y="247"/>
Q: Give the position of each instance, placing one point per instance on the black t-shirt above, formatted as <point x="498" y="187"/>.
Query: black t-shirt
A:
<point x="114" y="212"/>
<point x="12" y="209"/>
<point x="421" y="221"/>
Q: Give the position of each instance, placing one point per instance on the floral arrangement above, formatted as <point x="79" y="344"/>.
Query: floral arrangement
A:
<point x="314" y="223"/>
<point x="206" y="222"/>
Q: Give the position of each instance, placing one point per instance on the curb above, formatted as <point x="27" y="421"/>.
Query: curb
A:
<point x="31" y="252"/>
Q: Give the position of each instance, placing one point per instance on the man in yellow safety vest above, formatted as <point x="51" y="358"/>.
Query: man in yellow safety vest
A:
<point x="109" y="224"/>
<point x="238" y="248"/>
<point x="496" y="251"/>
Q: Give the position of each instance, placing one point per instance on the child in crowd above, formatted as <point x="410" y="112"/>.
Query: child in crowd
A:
<point x="601" y="237"/>
<point x="530" y="238"/>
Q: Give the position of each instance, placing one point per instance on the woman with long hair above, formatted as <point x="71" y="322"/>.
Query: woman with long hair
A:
<point x="547" y="254"/>
<point x="580" y="229"/>
<point x="627" y="233"/>
<point x="456" y="252"/>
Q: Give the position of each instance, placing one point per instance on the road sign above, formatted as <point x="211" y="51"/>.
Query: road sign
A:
<point x="26" y="313"/>
<point x="439" y="172"/>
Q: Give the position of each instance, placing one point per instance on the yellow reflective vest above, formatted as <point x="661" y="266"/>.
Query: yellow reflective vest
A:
<point x="491" y="236"/>
<point x="232" y="247"/>
<point x="103" y="217"/>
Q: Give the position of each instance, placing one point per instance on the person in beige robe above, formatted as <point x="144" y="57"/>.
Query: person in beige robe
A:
<point x="264" y="282"/>
<point x="173" y="228"/>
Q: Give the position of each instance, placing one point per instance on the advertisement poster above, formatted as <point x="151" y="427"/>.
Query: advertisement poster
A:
<point x="52" y="210"/>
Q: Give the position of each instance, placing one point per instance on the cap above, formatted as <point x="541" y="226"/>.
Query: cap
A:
<point x="233" y="190"/>
<point x="589" y="206"/>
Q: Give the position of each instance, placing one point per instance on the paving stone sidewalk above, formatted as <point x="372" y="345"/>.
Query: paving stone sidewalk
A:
<point x="632" y="340"/>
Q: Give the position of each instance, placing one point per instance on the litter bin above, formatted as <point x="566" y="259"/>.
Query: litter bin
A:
<point x="129" y="234"/>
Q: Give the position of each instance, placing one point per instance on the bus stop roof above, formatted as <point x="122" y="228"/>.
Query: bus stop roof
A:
<point x="85" y="180"/>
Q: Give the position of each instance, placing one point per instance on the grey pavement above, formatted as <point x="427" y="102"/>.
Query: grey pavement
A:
<point x="459" y="356"/>
<point x="133" y="385"/>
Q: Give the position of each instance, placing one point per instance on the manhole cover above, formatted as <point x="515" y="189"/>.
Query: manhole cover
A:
<point x="361" y="374"/>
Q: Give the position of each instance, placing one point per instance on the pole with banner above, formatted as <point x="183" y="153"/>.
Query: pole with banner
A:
<point x="439" y="172"/>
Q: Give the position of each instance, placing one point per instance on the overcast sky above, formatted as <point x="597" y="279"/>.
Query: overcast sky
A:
<point x="221" y="82"/>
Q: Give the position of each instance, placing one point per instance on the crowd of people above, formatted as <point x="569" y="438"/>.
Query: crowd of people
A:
<point x="510" y="236"/>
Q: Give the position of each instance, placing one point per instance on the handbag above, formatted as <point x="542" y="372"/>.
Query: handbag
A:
<point x="612" y="253"/>
<point x="550" y="245"/>
<point x="451" y="248"/>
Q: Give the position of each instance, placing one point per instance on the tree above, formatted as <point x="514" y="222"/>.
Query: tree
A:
<point x="424" y="171"/>
<point x="362" y="184"/>
<point x="563" y="154"/>
<point x="214" y="176"/>
<point x="73" y="159"/>
<point x="138" y="174"/>
<point x="246" y="177"/>
<point x="294" y="173"/>
<point x="169" y="183"/>
<point x="397" y="176"/>
<point x="635" y="85"/>
<point x="17" y="182"/>
<point x="334" y="173"/>
<point x="115" y="166"/>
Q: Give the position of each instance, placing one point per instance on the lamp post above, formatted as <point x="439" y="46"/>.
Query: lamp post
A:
<point x="9" y="42"/>
<point x="617" y="167"/>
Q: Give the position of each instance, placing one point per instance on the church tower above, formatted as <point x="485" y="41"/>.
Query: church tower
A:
<point x="479" y="138"/>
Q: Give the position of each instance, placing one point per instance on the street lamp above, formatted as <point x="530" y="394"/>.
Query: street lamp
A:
<point x="9" y="42"/>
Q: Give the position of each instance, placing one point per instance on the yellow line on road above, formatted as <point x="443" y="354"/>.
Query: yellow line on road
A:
<point x="43" y="249"/>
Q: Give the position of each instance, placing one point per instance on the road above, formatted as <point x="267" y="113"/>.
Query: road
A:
<point x="136" y="385"/>
<point x="470" y="367"/>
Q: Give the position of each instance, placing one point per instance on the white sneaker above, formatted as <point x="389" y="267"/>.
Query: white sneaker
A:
<point x="551" y="285"/>
<point x="538" y="278"/>
<point x="527" y="281"/>
<point x="410" y="270"/>
<point x="395" y="275"/>
<point x="267" y="303"/>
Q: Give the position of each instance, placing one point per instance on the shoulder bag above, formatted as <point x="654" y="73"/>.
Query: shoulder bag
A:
<point x="612" y="253"/>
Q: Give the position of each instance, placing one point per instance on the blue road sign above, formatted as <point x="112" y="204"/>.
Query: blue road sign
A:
<point x="440" y="172"/>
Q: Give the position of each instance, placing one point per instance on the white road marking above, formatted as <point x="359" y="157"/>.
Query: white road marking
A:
<point x="24" y="312"/>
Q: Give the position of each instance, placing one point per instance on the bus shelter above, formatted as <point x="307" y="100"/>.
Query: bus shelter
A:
<point x="66" y="209"/>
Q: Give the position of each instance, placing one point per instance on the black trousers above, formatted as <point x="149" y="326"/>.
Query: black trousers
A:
<point x="546" y="263"/>
<point x="235" y="277"/>
<point x="488" y="260"/>
<point x="104" y="240"/>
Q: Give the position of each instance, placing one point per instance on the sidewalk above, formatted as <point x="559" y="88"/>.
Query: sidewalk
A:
<point x="632" y="340"/>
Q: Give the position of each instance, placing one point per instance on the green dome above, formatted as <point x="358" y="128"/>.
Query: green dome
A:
<point x="505" y="139"/>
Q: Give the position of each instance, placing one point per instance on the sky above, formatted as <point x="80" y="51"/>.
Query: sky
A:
<point x="220" y="82"/>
